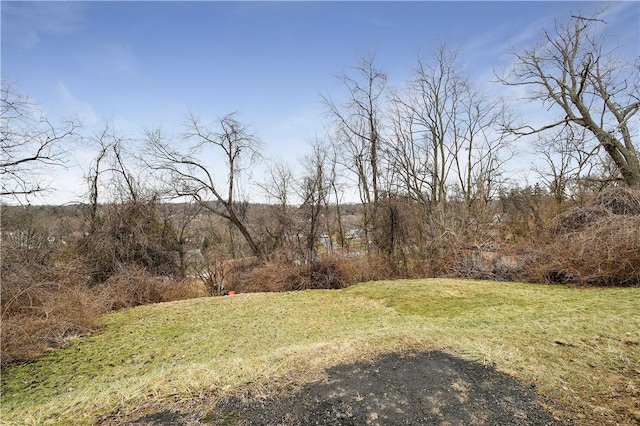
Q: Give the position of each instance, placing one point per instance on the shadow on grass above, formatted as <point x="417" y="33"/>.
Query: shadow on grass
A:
<point x="396" y="389"/>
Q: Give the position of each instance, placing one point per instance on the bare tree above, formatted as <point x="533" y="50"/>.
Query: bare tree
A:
<point x="279" y="183"/>
<point x="573" y="70"/>
<point x="480" y="150"/>
<point x="437" y="89"/>
<point x="192" y="177"/>
<point x="336" y="191"/>
<point x="568" y="161"/>
<point x="359" y="132"/>
<point x="178" y="227"/>
<point x="126" y="224"/>
<point x="445" y="140"/>
<point x="28" y="142"/>
<point x="110" y="160"/>
<point x="410" y="155"/>
<point x="314" y="191"/>
<point x="93" y="178"/>
<point x="278" y="187"/>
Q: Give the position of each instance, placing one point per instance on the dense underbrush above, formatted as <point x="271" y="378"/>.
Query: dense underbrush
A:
<point x="51" y="296"/>
<point x="597" y="244"/>
<point x="44" y="307"/>
<point x="327" y="272"/>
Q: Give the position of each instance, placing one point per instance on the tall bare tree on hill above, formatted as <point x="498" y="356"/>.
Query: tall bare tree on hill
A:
<point x="569" y="164"/>
<point x="359" y="133"/>
<point x="444" y="139"/>
<point x="278" y="187"/>
<point x="192" y="177"/>
<point x="314" y="191"/>
<point x="573" y="70"/>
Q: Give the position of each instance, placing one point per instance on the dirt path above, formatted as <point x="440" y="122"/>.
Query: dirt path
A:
<point x="428" y="388"/>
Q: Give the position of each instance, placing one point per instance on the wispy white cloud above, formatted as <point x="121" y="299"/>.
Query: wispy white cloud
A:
<point x="24" y="24"/>
<point x="616" y="12"/>
<point x="110" y="59"/>
<point x="70" y="105"/>
<point x="513" y="36"/>
<point x="498" y="44"/>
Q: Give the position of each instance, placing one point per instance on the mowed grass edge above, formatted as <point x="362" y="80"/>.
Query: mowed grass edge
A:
<point x="580" y="347"/>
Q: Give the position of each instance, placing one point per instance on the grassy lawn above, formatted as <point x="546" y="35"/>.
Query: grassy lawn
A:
<point x="580" y="347"/>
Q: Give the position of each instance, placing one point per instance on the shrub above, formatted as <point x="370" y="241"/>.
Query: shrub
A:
<point x="183" y="289"/>
<point x="594" y="245"/>
<point x="327" y="272"/>
<point x="578" y="219"/>
<point x="606" y="253"/>
<point x="130" y="234"/>
<point x="132" y="285"/>
<point x="619" y="201"/>
<point x="43" y="307"/>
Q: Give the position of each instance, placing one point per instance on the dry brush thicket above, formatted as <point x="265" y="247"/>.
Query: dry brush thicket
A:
<point x="58" y="281"/>
<point x="56" y="288"/>
<point x="596" y="244"/>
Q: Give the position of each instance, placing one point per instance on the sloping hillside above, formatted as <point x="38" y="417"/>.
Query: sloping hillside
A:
<point x="580" y="347"/>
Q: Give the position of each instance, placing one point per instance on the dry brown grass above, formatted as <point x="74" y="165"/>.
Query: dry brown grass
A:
<point x="188" y="288"/>
<point x="328" y="272"/>
<point x="595" y="244"/>
<point x="577" y="219"/>
<point x="129" y="234"/>
<point x="44" y="307"/>
<point x="620" y="201"/>
<point x="606" y="253"/>
<point x="133" y="286"/>
<point x="598" y="244"/>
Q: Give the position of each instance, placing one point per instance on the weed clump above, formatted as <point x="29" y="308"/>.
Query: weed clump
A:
<point x="578" y="219"/>
<point x="133" y="286"/>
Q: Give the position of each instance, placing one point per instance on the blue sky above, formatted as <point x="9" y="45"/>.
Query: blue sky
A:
<point x="146" y="63"/>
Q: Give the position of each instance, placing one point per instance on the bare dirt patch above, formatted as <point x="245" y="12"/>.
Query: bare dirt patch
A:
<point x="429" y="388"/>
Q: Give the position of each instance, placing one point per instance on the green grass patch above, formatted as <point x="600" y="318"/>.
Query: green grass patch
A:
<point x="579" y="346"/>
